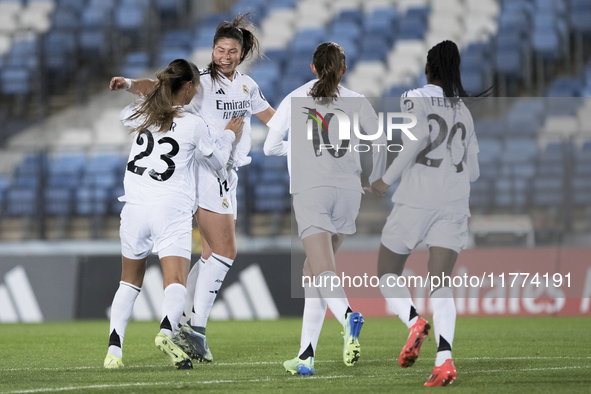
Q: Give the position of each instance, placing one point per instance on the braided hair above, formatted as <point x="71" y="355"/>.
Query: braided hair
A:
<point x="443" y="61"/>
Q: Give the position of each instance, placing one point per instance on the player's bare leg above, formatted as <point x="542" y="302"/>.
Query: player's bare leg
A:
<point x="390" y="267"/>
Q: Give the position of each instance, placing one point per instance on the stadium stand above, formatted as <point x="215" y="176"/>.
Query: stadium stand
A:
<point x="534" y="153"/>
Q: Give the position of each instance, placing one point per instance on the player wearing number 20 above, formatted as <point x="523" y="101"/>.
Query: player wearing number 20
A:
<point x="431" y="203"/>
<point x="159" y="200"/>
<point x="326" y="188"/>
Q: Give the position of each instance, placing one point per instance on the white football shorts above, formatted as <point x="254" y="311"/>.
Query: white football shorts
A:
<point x="326" y="209"/>
<point x="406" y="227"/>
<point x="161" y="229"/>
<point x="217" y="195"/>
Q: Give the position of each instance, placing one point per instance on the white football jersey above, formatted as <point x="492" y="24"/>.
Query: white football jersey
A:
<point x="161" y="166"/>
<point x="220" y="102"/>
<point x="437" y="176"/>
<point x="312" y="162"/>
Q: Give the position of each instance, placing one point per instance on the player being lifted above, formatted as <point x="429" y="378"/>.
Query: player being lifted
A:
<point x="224" y="93"/>
<point x="326" y="189"/>
<point x="159" y="200"/>
<point x="431" y="203"/>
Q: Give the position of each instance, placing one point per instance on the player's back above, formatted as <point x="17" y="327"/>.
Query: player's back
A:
<point x="318" y="156"/>
<point x="161" y="165"/>
<point x="438" y="177"/>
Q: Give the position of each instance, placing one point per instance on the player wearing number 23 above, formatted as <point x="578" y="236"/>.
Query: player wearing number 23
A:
<point x="159" y="199"/>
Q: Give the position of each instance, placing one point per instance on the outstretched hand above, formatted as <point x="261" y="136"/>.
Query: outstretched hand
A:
<point x="118" y="83"/>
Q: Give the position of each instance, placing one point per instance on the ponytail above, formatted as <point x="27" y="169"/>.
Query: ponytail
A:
<point x="241" y="30"/>
<point x="158" y="110"/>
<point x="329" y="60"/>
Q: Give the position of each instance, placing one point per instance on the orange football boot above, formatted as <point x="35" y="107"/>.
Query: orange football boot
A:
<point x="410" y="351"/>
<point x="443" y="375"/>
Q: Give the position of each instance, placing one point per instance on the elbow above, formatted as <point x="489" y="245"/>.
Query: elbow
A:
<point x="268" y="149"/>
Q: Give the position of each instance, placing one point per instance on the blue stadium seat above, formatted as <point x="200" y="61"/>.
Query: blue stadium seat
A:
<point x="580" y="15"/>
<point x="58" y="201"/>
<point x="93" y="42"/>
<point x="548" y="191"/>
<point x="15" y="80"/>
<point x="493" y="128"/>
<point x="519" y="150"/>
<point x="91" y="200"/>
<point x="129" y="18"/>
<point x="59" y="49"/>
<point x="178" y="39"/>
<point x="136" y="64"/>
<point x="278" y="4"/>
<point x="271" y="198"/>
<point x="167" y="55"/>
<point x="411" y="28"/>
<point x="345" y="30"/>
<point x="169" y="7"/>
<point x="21" y="202"/>
<point x="276" y="56"/>
<point x="546" y="42"/>
<point x="66" y="18"/>
<point x="490" y="151"/>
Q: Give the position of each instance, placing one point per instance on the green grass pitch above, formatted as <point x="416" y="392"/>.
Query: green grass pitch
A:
<point x="492" y="355"/>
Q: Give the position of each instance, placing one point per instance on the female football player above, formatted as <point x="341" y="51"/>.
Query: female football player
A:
<point x="224" y="93"/>
<point x="326" y="188"/>
<point x="431" y="203"/>
<point x="159" y="200"/>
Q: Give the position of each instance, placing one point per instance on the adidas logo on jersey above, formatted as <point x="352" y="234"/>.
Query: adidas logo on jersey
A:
<point x="221" y="91"/>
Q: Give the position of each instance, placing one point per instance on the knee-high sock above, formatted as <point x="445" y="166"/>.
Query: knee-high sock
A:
<point x="314" y="313"/>
<point x="172" y="307"/>
<point x="444" y="320"/>
<point x="120" y="313"/>
<point x="209" y="282"/>
<point x="334" y="296"/>
<point x="398" y="299"/>
<point x="191" y="285"/>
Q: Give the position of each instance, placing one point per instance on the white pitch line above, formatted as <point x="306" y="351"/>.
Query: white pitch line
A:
<point x="528" y="369"/>
<point x="106" y="386"/>
<point x="316" y="361"/>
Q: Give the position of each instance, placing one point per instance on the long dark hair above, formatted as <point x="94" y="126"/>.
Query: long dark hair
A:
<point x="241" y="30"/>
<point x="329" y="60"/>
<point x="158" y="108"/>
<point x="444" y="61"/>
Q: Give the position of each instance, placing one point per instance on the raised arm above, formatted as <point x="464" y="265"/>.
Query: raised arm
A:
<point x="141" y="87"/>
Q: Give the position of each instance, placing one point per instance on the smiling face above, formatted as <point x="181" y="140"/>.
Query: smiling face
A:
<point x="226" y="55"/>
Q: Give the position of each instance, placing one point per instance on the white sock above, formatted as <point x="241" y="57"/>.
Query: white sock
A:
<point x="209" y="282"/>
<point x="398" y="299"/>
<point x="120" y="313"/>
<point x="191" y="285"/>
<point x="314" y="313"/>
<point x="172" y="307"/>
<point x="444" y="320"/>
<point x="335" y="298"/>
